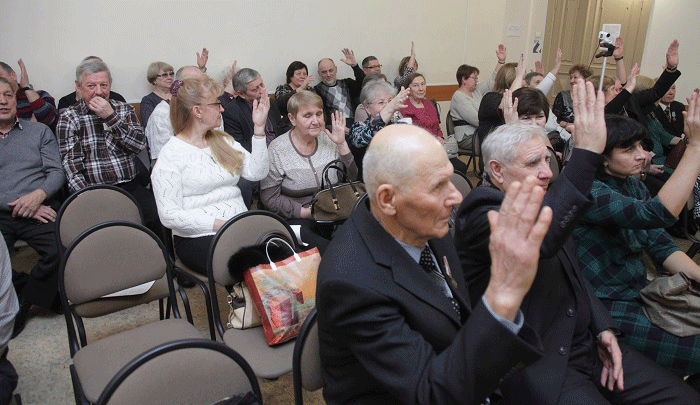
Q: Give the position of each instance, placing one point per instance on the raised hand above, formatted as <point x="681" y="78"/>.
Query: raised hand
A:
<point x="589" y="117"/>
<point x="538" y="67"/>
<point x="517" y="231"/>
<point x="632" y="78"/>
<point x="611" y="356"/>
<point x="510" y="108"/>
<point x="260" y="109"/>
<point x="396" y="104"/>
<point x="672" y="55"/>
<point x="692" y="118"/>
<point x="23" y="77"/>
<point x="228" y="81"/>
<point x="349" y="58"/>
<point x="202" y="59"/>
<point x="501" y="53"/>
<point x="412" y="59"/>
<point x="338" y="128"/>
<point x="619" y="48"/>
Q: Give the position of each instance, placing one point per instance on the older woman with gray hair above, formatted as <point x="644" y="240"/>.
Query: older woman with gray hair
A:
<point x="160" y="75"/>
<point x="382" y="104"/>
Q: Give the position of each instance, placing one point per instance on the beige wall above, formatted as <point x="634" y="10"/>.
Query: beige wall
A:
<point x="265" y="35"/>
<point x="674" y="19"/>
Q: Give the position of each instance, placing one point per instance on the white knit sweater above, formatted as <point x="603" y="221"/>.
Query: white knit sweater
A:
<point x="192" y="190"/>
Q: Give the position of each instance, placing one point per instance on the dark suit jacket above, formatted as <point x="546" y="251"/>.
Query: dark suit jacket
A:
<point x="675" y="126"/>
<point x="238" y="121"/>
<point x="389" y="335"/>
<point x="559" y="299"/>
<point x="642" y="102"/>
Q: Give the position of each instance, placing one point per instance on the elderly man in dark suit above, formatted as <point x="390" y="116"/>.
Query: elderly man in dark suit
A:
<point x="238" y="121"/>
<point x="583" y="362"/>
<point x="394" y="321"/>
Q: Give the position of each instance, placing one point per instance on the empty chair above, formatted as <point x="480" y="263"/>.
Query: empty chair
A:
<point x="190" y="371"/>
<point x="99" y="204"/>
<point x="106" y="259"/>
<point x="306" y="361"/>
<point x="246" y="229"/>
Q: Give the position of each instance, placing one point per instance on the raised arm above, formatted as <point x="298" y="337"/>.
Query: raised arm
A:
<point x="618" y="54"/>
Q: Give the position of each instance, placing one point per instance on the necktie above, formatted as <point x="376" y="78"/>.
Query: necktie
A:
<point x="426" y="261"/>
<point x="668" y="113"/>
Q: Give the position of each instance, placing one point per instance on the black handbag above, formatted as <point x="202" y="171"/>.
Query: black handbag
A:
<point x="334" y="202"/>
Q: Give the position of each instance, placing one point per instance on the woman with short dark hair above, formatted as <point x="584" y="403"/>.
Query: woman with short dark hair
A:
<point x="297" y="78"/>
<point x="623" y="222"/>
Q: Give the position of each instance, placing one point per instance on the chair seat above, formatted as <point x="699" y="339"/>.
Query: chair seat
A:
<point x="269" y="361"/>
<point x="96" y="363"/>
<point x="91" y="309"/>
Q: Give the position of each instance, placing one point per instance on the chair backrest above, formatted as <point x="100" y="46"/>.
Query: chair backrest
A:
<point x="112" y="257"/>
<point x="461" y="183"/>
<point x="191" y="371"/>
<point x="306" y="362"/>
<point x="246" y="229"/>
<point x="91" y="206"/>
<point x="553" y="165"/>
<point x="449" y="124"/>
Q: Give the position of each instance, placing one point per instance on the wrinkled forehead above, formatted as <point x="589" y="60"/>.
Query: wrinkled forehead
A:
<point x="326" y="65"/>
<point x="5" y="87"/>
<point x="95" y="78"/>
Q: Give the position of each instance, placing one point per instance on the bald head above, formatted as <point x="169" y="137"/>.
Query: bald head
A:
<point x="187" y="72"/>
<point x="398" y="154"/>
<point x="327" y="71"/>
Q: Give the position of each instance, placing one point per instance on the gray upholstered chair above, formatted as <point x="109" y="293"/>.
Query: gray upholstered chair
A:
<point x="106" y="259"/>
<point x="98" y="204"/>
<point x="247" y="229"/>
<point x="307" y="359"/>
<point x="191" y="371"/>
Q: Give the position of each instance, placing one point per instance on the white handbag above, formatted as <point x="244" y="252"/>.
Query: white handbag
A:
<point x="242" y="313"/>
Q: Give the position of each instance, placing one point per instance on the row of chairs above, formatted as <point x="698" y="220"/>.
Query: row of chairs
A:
<point x="104" y="249"/>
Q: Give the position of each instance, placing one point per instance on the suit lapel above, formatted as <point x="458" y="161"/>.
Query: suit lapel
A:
<point x="452" y="270"/>
<point x="407" y="274"/>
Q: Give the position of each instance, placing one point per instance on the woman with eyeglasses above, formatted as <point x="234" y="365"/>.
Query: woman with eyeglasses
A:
<point x="196" y="175"/>
<point x="160" y="75"/>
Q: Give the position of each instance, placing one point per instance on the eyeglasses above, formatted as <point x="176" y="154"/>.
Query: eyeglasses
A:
<point x="382" y="103"/>
<point x="166" y="74"/>
<point x="374" y="67"/>
<point x="217" y="104"/>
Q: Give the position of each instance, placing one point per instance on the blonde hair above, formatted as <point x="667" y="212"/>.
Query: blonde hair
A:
<point x="303" y="98"/>
<point x="194" y="91"/>
<point x="505" y="77"/>
<point x="608" y="82"/>
<point x="644" y="83"/>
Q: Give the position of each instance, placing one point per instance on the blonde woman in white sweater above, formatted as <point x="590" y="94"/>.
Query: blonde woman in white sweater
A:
<point x="196" y="175"/>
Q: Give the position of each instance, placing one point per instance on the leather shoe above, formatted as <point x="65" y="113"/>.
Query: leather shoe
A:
<point x="184" y="281"/>
<point x="21" y="318"/>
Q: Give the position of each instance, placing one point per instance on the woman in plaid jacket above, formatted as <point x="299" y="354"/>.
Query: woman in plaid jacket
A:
<point x="623" y="222"/>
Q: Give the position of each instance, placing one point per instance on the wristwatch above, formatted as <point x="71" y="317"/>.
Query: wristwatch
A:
<point x="28" y="87"/>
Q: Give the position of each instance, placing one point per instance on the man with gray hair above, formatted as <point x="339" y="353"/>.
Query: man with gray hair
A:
<point x="100" y="139"/>
<point x="30" y="178"/>
<point x="583" y="361"/>
<point x="394" y="320"/>
<point x="32" y="104"/>
<point x="238" y="119"/>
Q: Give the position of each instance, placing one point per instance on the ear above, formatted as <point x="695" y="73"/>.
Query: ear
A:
<point x="13" y="75"/>
<point x="77" y="87"/>
<point x="496" y="171"/>
<point x="292" y="119"/>
<point x="197" y="111"/>
<point x="386" y="199"/>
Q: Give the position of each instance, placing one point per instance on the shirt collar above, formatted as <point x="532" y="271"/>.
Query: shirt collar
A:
<point x="16" y="124"/>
